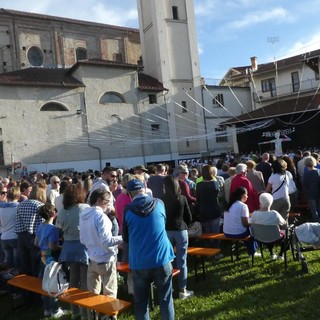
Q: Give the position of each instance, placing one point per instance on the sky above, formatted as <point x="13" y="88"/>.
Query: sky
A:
<point x="229" y="31"/>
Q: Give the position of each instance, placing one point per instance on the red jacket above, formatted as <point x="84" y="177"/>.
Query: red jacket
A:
<point x="253" y="198"/>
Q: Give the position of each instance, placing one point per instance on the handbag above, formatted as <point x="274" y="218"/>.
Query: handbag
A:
<point x="54" y="279"/>
<point x="292" y="186"/>
<point x="195" y="229"/>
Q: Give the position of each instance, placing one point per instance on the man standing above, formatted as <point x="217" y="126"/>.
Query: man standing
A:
<point x="264" y="166"/>
<point x="95" y="234"/>
<point x="107" y="182"/>
<point x="155" y="183"/>
<point x="150" y="251"/>
<point x="53" y="189"/>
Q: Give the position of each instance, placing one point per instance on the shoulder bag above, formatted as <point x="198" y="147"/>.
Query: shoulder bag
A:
<point x="54" y="279"/>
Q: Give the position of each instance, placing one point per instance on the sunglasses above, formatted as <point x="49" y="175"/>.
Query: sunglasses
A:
<point x="3" y="192"/>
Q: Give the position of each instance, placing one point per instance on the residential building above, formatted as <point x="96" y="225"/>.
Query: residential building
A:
<point x="285" y="98"/>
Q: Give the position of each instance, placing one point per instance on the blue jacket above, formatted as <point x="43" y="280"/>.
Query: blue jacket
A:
<point x="144" y="230"/>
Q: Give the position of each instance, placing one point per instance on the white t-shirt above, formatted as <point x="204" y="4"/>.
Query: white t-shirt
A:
<point x="232" y="220"/>
<point x="276" y="180"/>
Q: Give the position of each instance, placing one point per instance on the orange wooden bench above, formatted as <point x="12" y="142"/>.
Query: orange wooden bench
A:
<point x="87" y="299"/>
<point x="124" y="267"/>
<point x="202" y="253"/>
<point x="234" y="242"/>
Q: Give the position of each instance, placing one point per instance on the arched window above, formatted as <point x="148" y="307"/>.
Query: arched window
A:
<point x="53" y="106"/>
<point x="81" y="53"/>
<point x="111" y="97"/>
<point x="35" y="56"/>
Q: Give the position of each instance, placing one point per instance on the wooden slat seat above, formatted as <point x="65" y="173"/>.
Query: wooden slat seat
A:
<point x="233" y="242"/>
<point x="197" y="252"/>
<point x="87" y="299"/>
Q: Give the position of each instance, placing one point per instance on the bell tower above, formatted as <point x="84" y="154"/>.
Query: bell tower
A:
<point x="170" y="54"/>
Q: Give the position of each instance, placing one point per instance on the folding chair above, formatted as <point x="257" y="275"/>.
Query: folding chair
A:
<point x="270" y="234"/>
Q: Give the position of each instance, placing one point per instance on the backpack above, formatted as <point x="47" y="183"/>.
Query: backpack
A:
<point x="54" y="279"/>
<point x="195" y="230"/>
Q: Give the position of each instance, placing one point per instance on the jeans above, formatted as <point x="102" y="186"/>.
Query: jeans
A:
<point x="29" y="254"/>
<point x="252" y="245"/>
<point x="211" y="226"/>
<point x="314" y="205"/>
<point x="142" y="280"/>
<point x="2" y="255"/>
<point x="180" y="240"/>
<point x="10" y="249"/>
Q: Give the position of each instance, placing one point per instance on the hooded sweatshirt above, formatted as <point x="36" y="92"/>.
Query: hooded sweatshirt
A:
<point x="144" y="229"/>
<point x="95" y="234"/>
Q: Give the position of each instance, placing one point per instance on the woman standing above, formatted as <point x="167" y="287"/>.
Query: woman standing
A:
<point x="207" y="200"/>
<point x="278" y="186"/>
<point x="73" y="253"/>
<point x="8" y="212"/>
<point x="27" y="222"/>
<point x="178" y="219"/>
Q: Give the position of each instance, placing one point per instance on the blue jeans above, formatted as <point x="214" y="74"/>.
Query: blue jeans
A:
<point x="10" y="249"/>
<point x="142" y="280"/>
<point x="211" y="226"/>
<point x="252" y="245"/>
<point x="180" y="240"/>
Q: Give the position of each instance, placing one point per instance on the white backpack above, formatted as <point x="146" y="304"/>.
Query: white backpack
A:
<point x="54" y="279"/>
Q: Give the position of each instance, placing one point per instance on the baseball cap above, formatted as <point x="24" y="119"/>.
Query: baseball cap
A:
<point x="135" y="185"/>
<point x="141" y="167"/>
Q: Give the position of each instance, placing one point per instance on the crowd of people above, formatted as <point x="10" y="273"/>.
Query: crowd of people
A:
<point x="81" y="219"/>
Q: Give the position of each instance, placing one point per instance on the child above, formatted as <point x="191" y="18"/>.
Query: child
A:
<point x="47" y="239"/>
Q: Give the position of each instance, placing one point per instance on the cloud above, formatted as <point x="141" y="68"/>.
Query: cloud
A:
<point x="205" y="8"/>
<point x="277" y="14"/>
<point x="116" y="16"/>
<point x="302" y="46"/>
<point x="122" y="13"/>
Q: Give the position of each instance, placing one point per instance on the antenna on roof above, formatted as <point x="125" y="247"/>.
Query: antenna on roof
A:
<point x="273" y="40"/>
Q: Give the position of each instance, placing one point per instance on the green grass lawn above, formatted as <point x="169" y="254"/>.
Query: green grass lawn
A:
<point x="232" y="291"/>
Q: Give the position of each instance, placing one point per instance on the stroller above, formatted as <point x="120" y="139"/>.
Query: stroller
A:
<point x="305" y="237"/>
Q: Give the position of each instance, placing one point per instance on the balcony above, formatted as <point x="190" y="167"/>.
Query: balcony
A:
<point x="286" y="90"/>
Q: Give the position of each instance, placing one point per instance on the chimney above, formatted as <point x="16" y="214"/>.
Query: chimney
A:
<point x="254" y="64"/>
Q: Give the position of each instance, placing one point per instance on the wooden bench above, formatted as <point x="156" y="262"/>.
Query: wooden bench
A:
<point x="87" y="299"/>
<point x="124" y="267"/>
<point x="202" y="253"/>
<point x="234" y="242"/>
